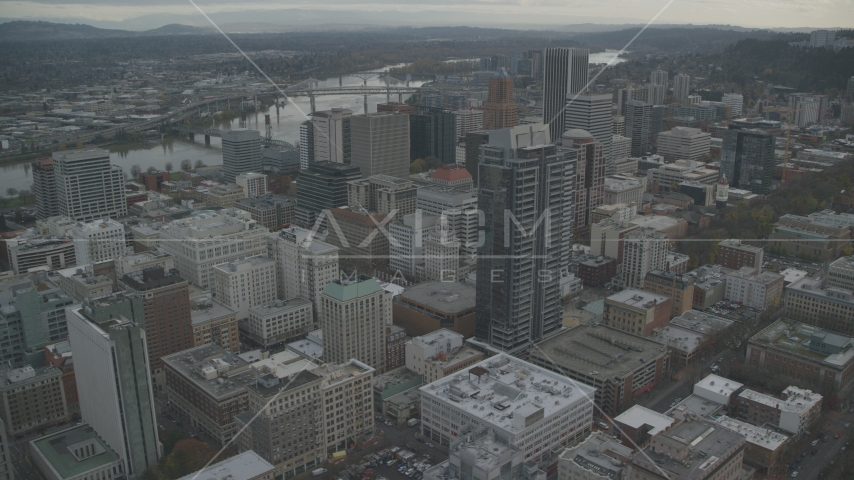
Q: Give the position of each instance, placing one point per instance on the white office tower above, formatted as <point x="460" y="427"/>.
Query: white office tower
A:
<point x="735" y="101"/>
<point x="305" y="265"/>
<point x="655" y="94"/>
<point x="380" y="144"/>
<point x="99" y="241"/>
<point x="621" y="148"/>
<point x="550" y="411"/>
<point x="565" y="75"/>
<point x="243" y="284"/>
<point x="681" y="87"/>
<point x="241" y="152"/>
<point x="468" y="120"/>
<point x="807" y="109"/>
<point x="459" y="208"/>
<point x="209" y="238"/>
<point x="87" y="186"/>
<point x="442" y="253"/>
<point x="644" y="250"/>
<point x="406" y="252"/>
<point x="683" y="143"/>
<point x="592" y="113"/>
<point x="114" y="380"/>
<point x="306" y="144"/>
<point x="253" y="184"/>
<point x="821" y="38"/>
<point x="659" y="77"/>
<point x="354" y="313"/>
<point x="638" y="126"/>
<point x="331" y="131"/>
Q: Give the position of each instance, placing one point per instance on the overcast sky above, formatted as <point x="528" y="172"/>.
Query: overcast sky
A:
<point x="154" y="13"/>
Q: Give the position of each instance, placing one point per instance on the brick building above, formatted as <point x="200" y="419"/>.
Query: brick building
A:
<point x="395" y="351"/>
<point x="59" y="356"/>
<point x="680" y="289"/>
<point x="153" y="180"/>
<point x="733" y="254"/>
<point x="637" y="312"/>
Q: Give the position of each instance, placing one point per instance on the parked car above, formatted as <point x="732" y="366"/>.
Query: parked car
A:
<point x="794" y="474"/>
<point x="814" y="442"/>
<point x="430" y="445"/>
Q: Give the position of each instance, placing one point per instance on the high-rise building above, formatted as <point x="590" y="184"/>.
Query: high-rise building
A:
<point x="87" y="185"/>
<point x="468" y="120"/>
<point x="658" y="77"/>
<point x="735" y="101"/>
<point x="655" y="94"/>
<point x="821" y="38"/>
<point x="589" y="177"/>
<point x="406" y="252"/>
<point x="638" y="124"/>
<point x="6" y="469"/>
<point x="108" y="344"/>
<point x="243" y="284"/>
<point x="500" y="109"/>
<point x="459" y="208"/>
<point x="807" y="109"/>
<point x="683" y="143"/>
<point x="188" y="241"/>
<point x="306" y="144"/>
<point x="644" y="250"/>
<point x="433" y="133"/>
<point x="305" y="265"/>
<point x="382" y="194"/>
<point x="681" y="87"/>
<point x="253" y="184"/>
<point x="167" y="320"/>
<point x="323" y="187"/>
<point x="621" y="148"/>
<point x="241" y="152"/>
<point x="331" y="132"/>
<point x="618" y="125"/>
<point x="442" y="253"/>
<point x="380" y="144"/>
<point x="278" y="322"/>
<point x="98" y="241"/>
<point x="44" y="188"/>
<point x="523" y="177"/>
<point x="353" y="316"/>
<point x="747" y="159"/>
<point x="565" y="75"/>
<point x="592" y="113"/>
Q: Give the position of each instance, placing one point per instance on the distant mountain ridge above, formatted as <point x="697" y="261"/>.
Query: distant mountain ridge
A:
<point x="23" y="31"/>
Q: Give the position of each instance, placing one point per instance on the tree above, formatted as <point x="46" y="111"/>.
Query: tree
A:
<point x="169" y="167"/>
<point x="135" y="171"/>
<point x="186" y="165"/>
<point x="12" y="192"/>
<point x="200" y="163"/>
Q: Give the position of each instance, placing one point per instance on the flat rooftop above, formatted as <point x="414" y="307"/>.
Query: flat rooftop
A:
<point x="279" y="306"/>
<point x="795" y="338"/>
<point x="716" y="383"/>
<point x="800" y="402"/>
<point x="447" y="297"/>
<point x="687" y="331"/>
<point x="761" y="437"/>
<point x="695" y="405"/>
<point x="205" y="309"/>
<point x="244" y="466"/>
<point x="638" y="416"/>
<point x="597" y="454"/>
<point x="216" y="371"/>
<point x="395" y="377"/>
<point x="338" y="373"/>
<point x="506" y="384"/>
<point x="600" y="350"/>
<point x="637" y="298"/>
<point x="55" y="449"/>
<point x="697" y="436"/>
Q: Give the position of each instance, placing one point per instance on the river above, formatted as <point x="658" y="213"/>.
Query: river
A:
<point x="285" y="127"/>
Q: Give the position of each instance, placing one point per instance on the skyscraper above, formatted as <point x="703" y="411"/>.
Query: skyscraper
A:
<point x="323" y="187"/>
<point x="589" y="177"/>
<point x="659" y="77"/>
<point x="565" y="74"/>
<point x="747" y="159"/>
<point x="638" y="124"/>
<point x="380" y="144"/>
<point x="305" y="265"/>
<point x="241" y="152"/>
<point x="111" y="367"/>
<point x="87" y="186"/>
<point x="593" y="114"/>
<point x="734" y="100"/>
<point x="331" y="134"/>
<point x="526" y="195"/>
<point x="44" y="188"/>
<point x="681" y="87"/>
<point x="433" y="133"/>
<point x="166" y="307"/>
<point x="644" y="250"/>
<point x="655" y="93"/>
<point x="500" y="109"/>
<point x="306" y="144"/>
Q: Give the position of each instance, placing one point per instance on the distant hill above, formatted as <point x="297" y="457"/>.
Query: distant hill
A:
<point x="24" y="31"/>
<point x="678" y="39"/>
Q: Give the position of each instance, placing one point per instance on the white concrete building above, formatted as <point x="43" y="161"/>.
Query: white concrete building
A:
<point x="625" y="189"/>
<point x="468" y="120"/>
<point x="735" y="101"/>
<point x="99" y="241"/>
<point x="549" y="411"/>
<point x="143" y="260"/>
<point x="88" y="186"/>
<point x="621" y="148"/>
<point x="442" y="253"/>
<point x="643" y="250"/>
<point x="460" y="208"/>
<point x="716" y="389"/>
<point x="305" y="265"/>
<point x="760" y="291"/>
<point x="683" y="143"/>
<point x="598" y="457"/>
<point x="209" y="238"/>
<point x="793" y="414"/>
<point x="439" y="354"/>
<point x="406" y="252"/>
<point x="682" y="170"/>
<point x="242" y="284"/>
<point x="331" y="130"/>
<point x="278" y="321"/>
<point x="241" y="152"/>
<point x="681" y="87"/>
<point x="253" y="184"/>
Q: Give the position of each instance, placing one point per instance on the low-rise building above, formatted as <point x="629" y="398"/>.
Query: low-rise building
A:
<point x="395" y="347"/>
<point x="223" y="196"/>
<point x="214" y="322"/>
<point x="486" y="455"/>
<point x="392" y="384"/>
<point x="98" y="241"/>
<point x="626" y="189"/>
<point x="717" y="389"/>
<point x="596" y="271"/>
<point x="278" y="321"/>
<point x="242" y="284"/>
<point x="76" y="453"/>
<point x="840" y="273"/>
<point x="804" y="352"/>
<point x="637" y="425"/>
<point x="31" y="399"/>
<point x="31" y="251"/>
<point x="680" y="289"/>
<point x="765" y="447"/>
<point x="245" y="466"/>
<point x="733" y="254"/>
<point x="81" y="283"/>
<point x="598" y="457"/>
<point x="253" y="184"/>
<point x="607" y="359"/>
<point x="429" y="306"/>
<point x="809" y="238"/>
<point x="692" y="334"/>
<point x="311" y="348"/>
<point x="831" y="308"/>
<point x="550" y="411"/>
<point x="709" y="285"/>
<point x="675" y="454"/>
<point x="439" y="354"/>
<point x="637" y="311"/>
<point x="756" y="290"/>
<point x="794" y="413"/>
<point x="271" y="211"/>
